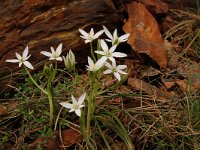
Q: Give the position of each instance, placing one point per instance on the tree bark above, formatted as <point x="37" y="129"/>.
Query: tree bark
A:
<point x="41" y="24"/>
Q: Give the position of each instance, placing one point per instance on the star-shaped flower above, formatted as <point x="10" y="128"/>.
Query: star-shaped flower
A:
<point x="76" y="105"/>
<point x="109" y="53"/>
<point x="89" y="37"/>
<point x="114" y="39"/>
<point x="95" y="66"/>
<point x="22" y="59"/>
<point x="55" y="54"/>
<point x="116" y="70"/>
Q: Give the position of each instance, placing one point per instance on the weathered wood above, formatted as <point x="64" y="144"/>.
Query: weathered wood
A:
<point x="41" y="24"/>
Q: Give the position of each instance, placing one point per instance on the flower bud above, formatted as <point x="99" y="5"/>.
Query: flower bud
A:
<point x="69" y="61"/>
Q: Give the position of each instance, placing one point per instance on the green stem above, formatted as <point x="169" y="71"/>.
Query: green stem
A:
<point x="34" y="82"/>
<point x="92" y="52"/>
<point x="51" y="107"/>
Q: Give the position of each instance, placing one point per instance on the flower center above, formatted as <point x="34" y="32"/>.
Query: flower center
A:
<point x="75" y="106"/>
<point x="114" y="69"/>
<point x="108" y="54"/>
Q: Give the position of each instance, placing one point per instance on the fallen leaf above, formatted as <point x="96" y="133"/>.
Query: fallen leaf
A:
<point x="151" y="90"/>
<point x="145" y="36"/>
<point x="70" y="137"/>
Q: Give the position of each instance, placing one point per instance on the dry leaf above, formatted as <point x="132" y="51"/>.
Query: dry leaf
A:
<point x="71" y="136"/>
<point x="145" y="36"/>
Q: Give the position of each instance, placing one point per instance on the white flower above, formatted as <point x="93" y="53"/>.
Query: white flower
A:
<point x="89" y="37"/>
<point x="54" y="55"/>
<point x="95" y="66"/>
<point x="109" y="53"/>
<point x="114" y="38"/>
<point x="116" y="70"/>
<point x="76" y="105"/>
<point x="22" y="59"/>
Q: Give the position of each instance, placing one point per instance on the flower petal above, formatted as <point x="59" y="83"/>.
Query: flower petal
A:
<point x="124" y="37"/>
<point x="119" y="54"/>
<point x="28" y="64"/>
<point x="112" y="59"/>
<point x="122" y="72"/>
<point x="90" y="62"/>
<point x="46" y="53"/>
<point x="108" y="71"/>
<point x="12" y="60"/>
<point x="117" y="75"/>
<point x="66" y="105"/>
<point x="87" y="41"/>
<point x="81" y="99"/>
<point x="78" y="112"/>
<point x="107" y="32"/>
<point x="98" y="34"/>
<point x="85" y="34"/>
<point x="112" y="49"/>
<point x="73" y="99"/>
<point x="25" y="52"/>
<point x="19" y="57"/>
<point x="91" y="32"/>
<point x="104" y="46"/>
<point x="115" y="35"/>
<point x="100" y="52"/>
<point x="101" y="61"/>
<point x="59" y="49"/>
<point x="108" y="65"/>
<point x="59" y="58"/>
<point x="121" y="67"/>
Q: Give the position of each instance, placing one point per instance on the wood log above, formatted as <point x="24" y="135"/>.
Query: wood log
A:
<point x="41" y="24"/>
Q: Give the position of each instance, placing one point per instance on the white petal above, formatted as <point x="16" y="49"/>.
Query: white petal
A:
<point x="12" y="60"/>
<point x="101" y="61"/>
<point x="115" y="35"/>
<point x="84" y="37"/>
<point x="20" y="64"/>
<point x="73" y="99"/>
<point x="107" y="32"/>
<point x="108" y="71"/>
<point x="104" y="46"/>
<point x="90" y="62"/>
<point x="108" y="65"/>
<point x="25" y="53"/>
<point x="46" y="53"/>
<point x="108" y="40"/>
<point x="87" y="41"/>
<point x="117" y="75"/>
<point x="122" y="72"/>
<point x="78" y="112"/>
<point x="118" y="54"/>
<point x="28" y="64"/>
<point x="98" y="34"/>
<point x="91" y="32"/>
<point x="114" y="64"/>
<point x="85" y="34"/>
<point x="52" y="51"/>
<point x="124" y="37"/>
<point x="121" y="67"/>
<point x="59" y="58"/>
<point x="19" y="57"/>
<point x="66" y="105"/>
<point x="100" y="52"/>
<point x="59" y="49"/>
<point x="81" y="99"/>
<point x="112" y="49"/>
<point x="72" y="109"/>
<point x="80" y="106"/>
<point x="112" y="59"/>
